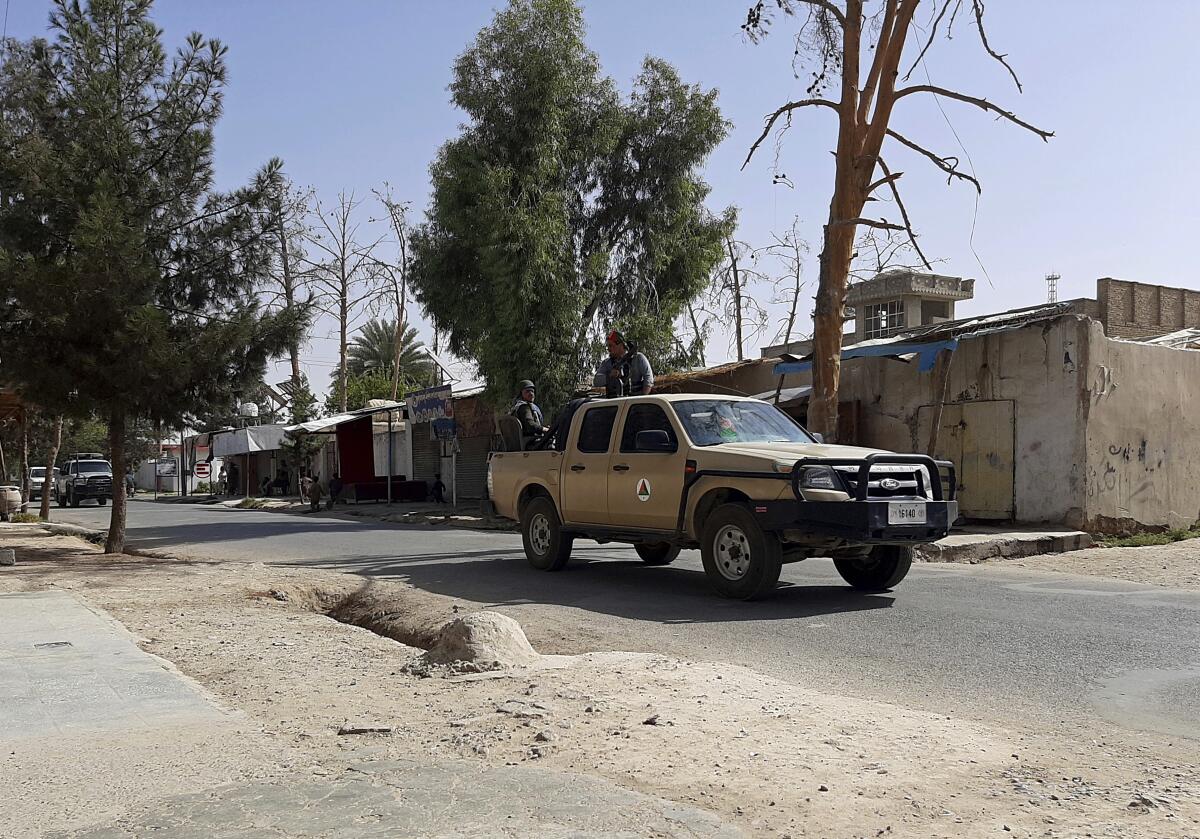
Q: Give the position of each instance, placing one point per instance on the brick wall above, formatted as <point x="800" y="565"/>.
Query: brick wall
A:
<point x="1137" y="310"/>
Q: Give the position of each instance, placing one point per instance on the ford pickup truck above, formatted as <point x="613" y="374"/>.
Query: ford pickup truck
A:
<point x="733" y="476"/>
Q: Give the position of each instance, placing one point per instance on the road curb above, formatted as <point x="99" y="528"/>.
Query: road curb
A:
<point x="98" y="537"/>
<point x="1002" y="546"/>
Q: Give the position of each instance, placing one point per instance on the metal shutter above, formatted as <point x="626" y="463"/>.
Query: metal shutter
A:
<point x="427" y="452"/>
<point x="472" y="466"/>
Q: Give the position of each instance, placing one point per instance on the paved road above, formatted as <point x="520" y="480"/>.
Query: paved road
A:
<point x="1014" y="646"/>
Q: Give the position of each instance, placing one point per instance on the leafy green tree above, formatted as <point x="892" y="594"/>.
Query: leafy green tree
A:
<point x="128" y="277"/>
<point x="562" y="210"/>
<point x="300" y="447"/>
<point x="361" y="389"/>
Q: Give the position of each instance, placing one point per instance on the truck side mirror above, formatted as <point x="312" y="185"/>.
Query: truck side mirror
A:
<point x="653" y="441"/>
<point x="818" y="436"/>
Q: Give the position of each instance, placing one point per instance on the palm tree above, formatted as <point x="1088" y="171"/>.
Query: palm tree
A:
<point x="373" y="350"/>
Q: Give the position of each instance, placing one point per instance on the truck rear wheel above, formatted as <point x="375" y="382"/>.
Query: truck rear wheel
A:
<point x="101" y="500"/>
<point x="741" y="561"/>
<point x="657" y="553"/>
<point x="546" y="546"/>
<point x="881" y="569"/>
<point x="58" y="497"/>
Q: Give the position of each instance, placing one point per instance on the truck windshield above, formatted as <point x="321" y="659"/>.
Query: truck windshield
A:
<point x="92" y="466"/>
<point x="710" y="422"/>
<point x="37" y="472"/>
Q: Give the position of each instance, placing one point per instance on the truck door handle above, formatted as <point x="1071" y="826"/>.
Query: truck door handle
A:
<point x="578" y="467"/>
<point x="620" y="467"/>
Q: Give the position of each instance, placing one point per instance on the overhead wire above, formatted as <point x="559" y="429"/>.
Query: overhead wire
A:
<point x="937" y="100"/>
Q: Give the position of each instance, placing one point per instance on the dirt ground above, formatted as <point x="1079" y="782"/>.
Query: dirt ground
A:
<point x="1176" y="565"/>
<point x="773" y="758"/>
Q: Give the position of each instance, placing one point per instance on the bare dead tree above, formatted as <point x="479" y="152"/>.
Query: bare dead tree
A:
<point x="287" y="286"/>
<point x="846" y="37"/>
<point x="731" y="298"/>
<point x="789" y="251"/>
<point x="395" y="274"/>
<point x="346" y="275"/>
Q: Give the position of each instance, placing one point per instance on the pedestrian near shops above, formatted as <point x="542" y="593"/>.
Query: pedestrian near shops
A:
<point x="315" y="491"/>
<point x="335" y="491"/>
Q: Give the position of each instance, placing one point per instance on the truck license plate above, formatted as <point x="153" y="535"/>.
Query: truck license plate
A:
<point x="906" y="512"/>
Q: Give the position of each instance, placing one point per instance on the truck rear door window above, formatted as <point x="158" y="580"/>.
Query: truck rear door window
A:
<point x="595" y="432"/>
<point x="645" y="418"/>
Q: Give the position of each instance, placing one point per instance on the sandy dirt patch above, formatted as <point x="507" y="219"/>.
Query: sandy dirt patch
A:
<point x="1176" y="565"/>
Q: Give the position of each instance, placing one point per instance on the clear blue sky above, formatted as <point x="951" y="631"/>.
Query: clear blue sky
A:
<point x="352" y="94"/>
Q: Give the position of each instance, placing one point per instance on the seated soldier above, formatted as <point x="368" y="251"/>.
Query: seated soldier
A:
<point x="530" y="415"/>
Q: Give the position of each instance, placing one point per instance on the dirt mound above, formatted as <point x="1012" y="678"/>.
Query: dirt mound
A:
<point x="488" y="639"/>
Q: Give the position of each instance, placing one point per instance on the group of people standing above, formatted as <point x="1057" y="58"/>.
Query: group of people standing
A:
<point x="625" y="372"/>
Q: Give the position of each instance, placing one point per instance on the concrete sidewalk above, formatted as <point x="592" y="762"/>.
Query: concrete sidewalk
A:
<point x="406" y="798"/>
<point x="65" y="668"/>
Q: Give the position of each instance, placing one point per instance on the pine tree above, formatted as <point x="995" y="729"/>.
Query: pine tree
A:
<point x="129" y="277"/>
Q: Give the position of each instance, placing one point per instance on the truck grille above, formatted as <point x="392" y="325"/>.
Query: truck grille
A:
<point x="103" y="484"/>
<point x="901" y="481"/>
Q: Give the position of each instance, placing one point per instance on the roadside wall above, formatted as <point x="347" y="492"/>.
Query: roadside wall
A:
<point x="1037" y="367"/>
<point x="1143" y="434"/>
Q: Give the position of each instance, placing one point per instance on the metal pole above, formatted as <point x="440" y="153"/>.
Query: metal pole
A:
<point x="390" y="470"/>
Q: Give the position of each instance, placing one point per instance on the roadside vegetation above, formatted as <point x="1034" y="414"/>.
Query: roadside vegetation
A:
<point x="1145" y="540"/>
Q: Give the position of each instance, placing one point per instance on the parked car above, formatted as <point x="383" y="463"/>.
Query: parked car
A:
<point x="10" y="501"/>
<point x="37" y="476"/>
<point x="84" y="476"/>
<point x="735" y="477"/>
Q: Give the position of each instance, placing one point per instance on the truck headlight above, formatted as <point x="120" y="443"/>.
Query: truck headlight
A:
<point x="818" y="477"/>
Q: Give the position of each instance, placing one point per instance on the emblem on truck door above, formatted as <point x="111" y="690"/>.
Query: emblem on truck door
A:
<point x="643" y="489"/>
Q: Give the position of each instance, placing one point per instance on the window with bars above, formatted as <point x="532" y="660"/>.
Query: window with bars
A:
<point x="884" y="320"/>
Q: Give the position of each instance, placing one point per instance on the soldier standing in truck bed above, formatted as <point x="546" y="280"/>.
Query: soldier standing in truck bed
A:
<point x="626" y="372"/>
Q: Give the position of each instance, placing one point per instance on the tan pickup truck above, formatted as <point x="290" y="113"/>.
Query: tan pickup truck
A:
<point x="735" y="477"/>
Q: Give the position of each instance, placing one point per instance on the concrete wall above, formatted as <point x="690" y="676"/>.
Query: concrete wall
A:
<point x="1143" y="434"/>
<point x="1036" y="367"/>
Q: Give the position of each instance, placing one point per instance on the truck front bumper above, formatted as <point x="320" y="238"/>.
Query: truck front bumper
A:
<point x="856" y="521"/>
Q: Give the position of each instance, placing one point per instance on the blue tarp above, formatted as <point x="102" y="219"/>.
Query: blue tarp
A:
<point x="926" y="355"/>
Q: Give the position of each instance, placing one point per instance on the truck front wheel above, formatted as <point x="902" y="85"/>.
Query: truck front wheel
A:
<point x="881" y="569"/>
<point x="546" y="547"/>
<point x="72" y="499"/>
<point x="741" y="561"/>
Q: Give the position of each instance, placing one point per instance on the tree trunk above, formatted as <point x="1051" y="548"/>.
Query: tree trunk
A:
<point x="115" y="543"/>
<point x="3" y="465"/>
<point x="696" y="329"/>
<point x="838" y="242"/>
<point x="737" y="298"/>
<point x="343" y="325"/>
<point x="791" y="321"/>
<point x="289" y="296"/>
<point x="44" y="510"/>
<point x="24" y="481"/>
<point x="827" y="329"/>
